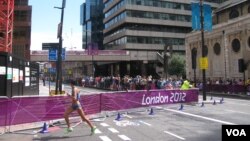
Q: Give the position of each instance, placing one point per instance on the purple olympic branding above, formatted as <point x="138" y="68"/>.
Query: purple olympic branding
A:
<point x="161" y="99"/>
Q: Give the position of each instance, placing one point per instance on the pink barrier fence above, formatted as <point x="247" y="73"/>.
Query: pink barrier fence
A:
<point x="21" y="110"/>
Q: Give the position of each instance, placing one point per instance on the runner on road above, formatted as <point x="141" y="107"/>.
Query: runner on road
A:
<point x="76" y="106"/>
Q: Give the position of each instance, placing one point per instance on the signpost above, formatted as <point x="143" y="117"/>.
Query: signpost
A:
<point x="53" y="54"/>
<point x="202" y="20"/>
<point x="47" y="46"/>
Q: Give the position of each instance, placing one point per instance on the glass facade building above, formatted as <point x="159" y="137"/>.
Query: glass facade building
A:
<point x="147" y="24"/>
<point x="91" y="18"/>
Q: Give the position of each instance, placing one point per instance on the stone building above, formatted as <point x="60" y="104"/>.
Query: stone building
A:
<point x="228" y="42"/>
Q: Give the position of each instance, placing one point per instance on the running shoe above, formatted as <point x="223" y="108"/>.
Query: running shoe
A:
<point x="69" y="129"/>
<point x="93" y="130"/>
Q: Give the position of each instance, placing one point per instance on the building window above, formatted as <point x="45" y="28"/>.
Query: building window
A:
<point x="233" y="14"/>
<point x="217" y="48"/>
<point x="236" y="45"/>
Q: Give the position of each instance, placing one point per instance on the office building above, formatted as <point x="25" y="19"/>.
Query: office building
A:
<point x="91" y="19"/>
<point x="147" y="26"/>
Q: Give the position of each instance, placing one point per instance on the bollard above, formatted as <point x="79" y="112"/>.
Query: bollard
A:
<point x="181" y="108"/>
<point x="151" y="111"/>
<point x="118" y="118"/>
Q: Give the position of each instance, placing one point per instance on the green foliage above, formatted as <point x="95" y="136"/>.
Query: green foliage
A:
<point x="176" y="65"/>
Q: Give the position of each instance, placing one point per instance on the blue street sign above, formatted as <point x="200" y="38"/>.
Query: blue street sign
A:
<point x="207" y="17"/>
<point x="52" y="54"/>
<point x="207" y="14"/>
<point x="196" y="16"/>
<point x="52" y="70"/>
<point x="63" y="54"/>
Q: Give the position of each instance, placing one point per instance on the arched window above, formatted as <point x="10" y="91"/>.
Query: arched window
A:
<point x="236" y="45"/>
<point x="217" y="48"/>
<point x="233" y="14"/>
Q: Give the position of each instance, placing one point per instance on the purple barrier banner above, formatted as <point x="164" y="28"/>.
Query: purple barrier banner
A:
<point x="34" y="109"/>
<point x="19" y="110"/>
<point x="4" y="104"/>
<point x="226" y="88"/>
<point x="128" y="100"/>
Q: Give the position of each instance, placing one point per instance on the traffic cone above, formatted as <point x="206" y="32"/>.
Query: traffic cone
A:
<point x="181" y="108"/>
<point x="118" y="118"/>
<point x="221" y="101"/>
<point x="214" y="102"/>
<point x="151" y="111"/>
<point x="45" y="128"/>
<point x="211" y="98"/>
<point x="202" y="104"/>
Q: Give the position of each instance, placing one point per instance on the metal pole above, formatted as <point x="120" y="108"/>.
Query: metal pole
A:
<point x="194" y="77"/>
<point x="203" y="51"/>
<point x="49" y="81"/>
<point x="59" y="55"/>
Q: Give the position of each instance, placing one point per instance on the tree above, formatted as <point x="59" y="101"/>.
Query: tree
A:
<point x="176" y="65"/>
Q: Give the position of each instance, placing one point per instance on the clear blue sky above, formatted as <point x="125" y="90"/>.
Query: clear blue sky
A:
<point x="45" y="19"/>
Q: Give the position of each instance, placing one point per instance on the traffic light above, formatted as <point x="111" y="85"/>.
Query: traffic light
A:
<point x="241" y="65"/>
<point x="193" y="57"/>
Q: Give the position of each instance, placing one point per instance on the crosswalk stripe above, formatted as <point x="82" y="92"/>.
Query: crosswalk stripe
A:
<point x="104" y="124"/>
<point x="125" y="138"/>
<point x="172" y="134"/>
<point x="145" y="123"/>
<point x="97" y="131"/>
<point x="105" y="138"/>
<point x="113" y="130"/>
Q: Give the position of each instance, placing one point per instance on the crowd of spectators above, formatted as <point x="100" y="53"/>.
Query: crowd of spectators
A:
<point x="117" y="83"/>
<point x="127" y="82"/>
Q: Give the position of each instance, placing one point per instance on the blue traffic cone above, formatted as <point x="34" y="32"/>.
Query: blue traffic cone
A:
<point x="214" y="102"/>
<point x="202" y="104"/>
<point x="151" y="111"/>
<point x="181" y="108"/>
<point x="118" y="118"/>
<point x="221" y="101"/>
<point x="45" y="128"/>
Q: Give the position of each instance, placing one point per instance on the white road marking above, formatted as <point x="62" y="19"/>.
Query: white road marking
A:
<point x="125" y="138"/>
<point x="105" y="138"/>
<point x="198" y="116"/>
<point x="174" y="135"/>
<point x="97" y="131"/>
<point x="113" y="130"/>
<point x="104" y="124"/>
<point x="145" y="123"/>
<point x="128" y="116"/>
<point x="77" y="124"/>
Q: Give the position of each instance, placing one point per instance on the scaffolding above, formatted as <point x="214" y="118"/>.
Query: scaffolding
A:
<point x="6" y="25"/>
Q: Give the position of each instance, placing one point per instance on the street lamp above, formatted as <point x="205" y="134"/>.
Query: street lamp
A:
<point x="203" y="51"/>
<point x="59" y="54"/>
